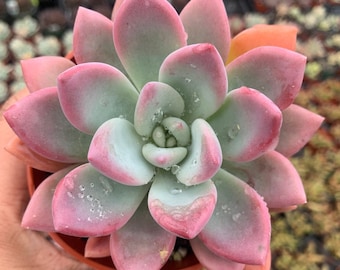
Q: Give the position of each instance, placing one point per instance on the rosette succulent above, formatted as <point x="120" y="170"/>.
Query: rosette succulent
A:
<point x="161" y="127"/>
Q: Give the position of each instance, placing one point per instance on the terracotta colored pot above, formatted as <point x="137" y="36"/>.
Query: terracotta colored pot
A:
<point x="75" y="246"/>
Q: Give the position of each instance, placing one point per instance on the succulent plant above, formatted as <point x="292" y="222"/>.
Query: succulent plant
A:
<point x="164" y="127"/>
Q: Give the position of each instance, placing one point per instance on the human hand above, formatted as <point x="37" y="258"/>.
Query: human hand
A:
<point x="21" y="248"/>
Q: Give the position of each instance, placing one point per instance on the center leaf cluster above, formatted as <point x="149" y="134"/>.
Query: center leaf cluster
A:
<point x="168" y="144"/>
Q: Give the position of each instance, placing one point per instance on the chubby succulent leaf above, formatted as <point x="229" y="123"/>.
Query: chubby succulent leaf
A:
<point x="275" y="71"/>
<point x="239" y="229"/>
<point x="93" y="39"/>
<point x="45" y="129"/>
<point x="210" y="260"/>
<point x="32" y="159"/>
<point x="86" y="203"/>
<point x="265" y="266"/>
<point x="145" y="32"/>
<point x="283" y="36"/>
<point x="178" y="129"/>
<point x="178" y="208"/>
<point x="42" y="72"/>
<point x="197" y="72"/>
<point x="116" y="7"/>
<point x="163" y="157"/>
<point x="38" y="214"/>
<point x="201" y="18"/>
<point x="116" y="151"/>
<point x="93" y="93"/>
<point x="204" y="158"/>
<point x="298" y="127"/>
<point x="97" y="247"/>
<point x="141" y="244"/>
<point x="156" y="101"/>
<point x="274" y="177"/>
<point x="247" y="125"/>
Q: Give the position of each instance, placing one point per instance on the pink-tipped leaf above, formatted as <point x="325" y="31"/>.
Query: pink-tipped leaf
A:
<point x="210" y="260"/>
<point x="39" y="122"/>
<point x="299" y="125"/>
<point x="32" y="159"/>
<point x="239" y="229"/>
<point x="247" y="125"/>
<point x="197" y="72"/>
<point x="38" y="214"/>
<point x="93" y="93"/>
<point x="97" y="247"/>
<point x="86" y="203"/>
<point x="42" y="72"/>
<point x="275" y="71"/>
<point x="205" y="155"/>
<point x="163" y="157"/>
<point x="180" y="209"/>
<point x="274" y="177"/>
<point x="93" y="39"/>
<point x="156" y="100"/>
<point x="141" y="243"/>
<point x="207" y="22"/>
<point x="116" y="151"/>
<point x="145" y="32"/>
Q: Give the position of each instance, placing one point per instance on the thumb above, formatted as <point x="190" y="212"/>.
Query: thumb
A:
<point x="13" y="176"/>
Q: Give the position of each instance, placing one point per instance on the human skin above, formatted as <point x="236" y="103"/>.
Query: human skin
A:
<point x="21" y="248"/>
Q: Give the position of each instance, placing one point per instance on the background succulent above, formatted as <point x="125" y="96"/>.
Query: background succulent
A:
<point x="164" y="140"/>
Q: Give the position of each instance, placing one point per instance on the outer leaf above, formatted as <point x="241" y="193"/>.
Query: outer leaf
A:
<point x="116" y="7"/>
<point x="273" y="177"/>
<point x="205" y="155"/>
<point x="210" y="260"/>
<point x="17" y="148"/>
<point x="90" y="44"/>
<point x="156" y="101"/>
<point x="86" y="203"/>
<point x="247" y="125"/>
<point x="180" y="209"/>
<point x="276" y="72"/>
<point x="265" y="266"/>
<point x="97" y="247"/>
<point x="239" y="229"/>
<point x="38" y="214"/>
<point x="42" y="72"/>
<point x="197" y="72"/>
<point x="298" y="127"/>
<point x="116" y="151"/>
<point x="145" y="32"/>
<point x="283" y="36"/>
<point x="92" y="93"/>
<point x="51" y="136"/>
<point x="207" y="22"/>
<point x="141" y="243"/>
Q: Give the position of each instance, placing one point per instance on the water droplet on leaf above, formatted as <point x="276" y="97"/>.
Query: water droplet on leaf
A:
<point x="233" y="132"/>
<point x="176" y="191"/>
<point x="175" y="169"/>
<point x="235" y="217"/>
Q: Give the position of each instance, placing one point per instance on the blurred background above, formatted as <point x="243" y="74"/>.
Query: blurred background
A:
<point x="305" y="239"/>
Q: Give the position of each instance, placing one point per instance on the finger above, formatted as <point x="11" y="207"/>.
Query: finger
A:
<point x="14" y="194"/>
